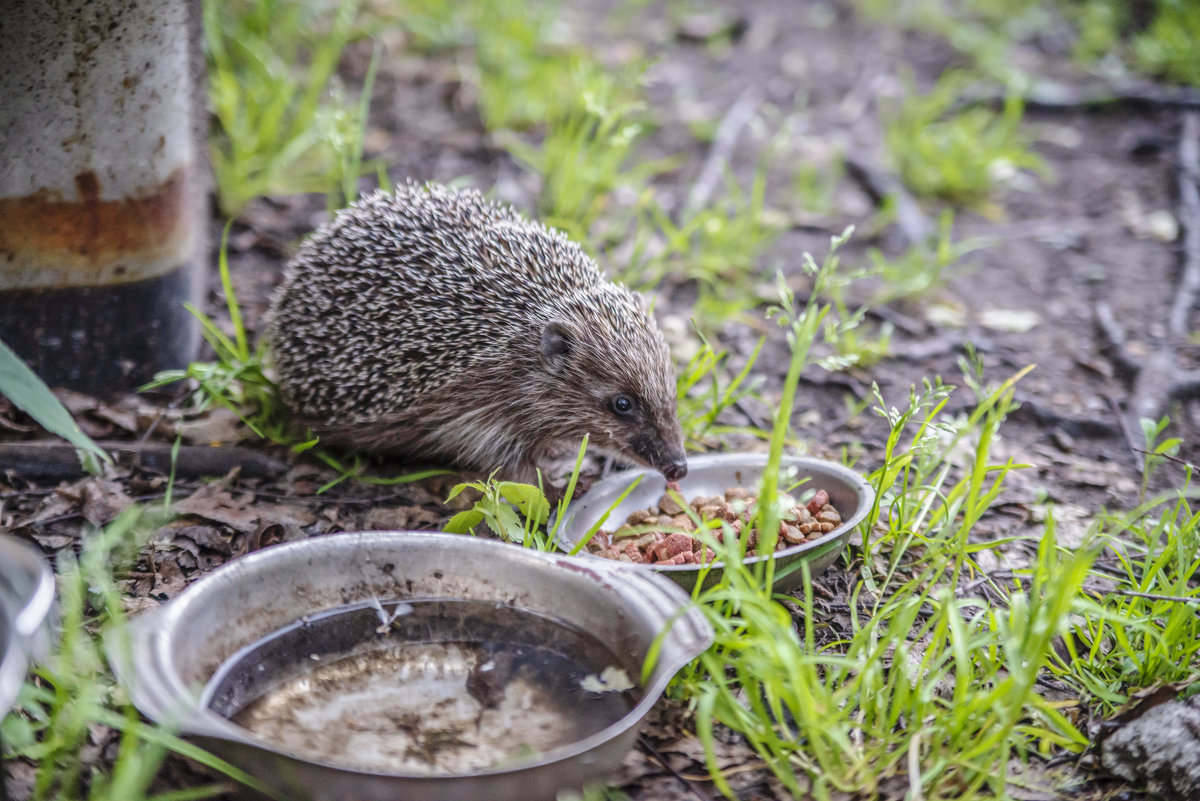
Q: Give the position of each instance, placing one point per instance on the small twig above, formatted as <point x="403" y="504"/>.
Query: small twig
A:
<point x="1181" y="599"/>
<point x="739" y="114"/>
<point x="652" y="752"/>
<point x="59" y="460"/>
<point x="879" y="184"/>
<point x="900" y="321"/>
<point x="754" y="419"/>
<point x="1158" y="378"/>
<point x="943" y="345"/>
<point x="1189" y="214"/>
<point x="1089" y="427"/>
<point x="1125" y="430"/>
<point x="161" y="415"/>
<point x="1168" y="457"/>
<point x="1113" y="342"/>
<point x="1054" y="96"/>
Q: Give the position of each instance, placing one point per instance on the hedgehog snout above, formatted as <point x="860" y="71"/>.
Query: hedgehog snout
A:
<point x="669" y="459"/>
<point x="675" y="470"/>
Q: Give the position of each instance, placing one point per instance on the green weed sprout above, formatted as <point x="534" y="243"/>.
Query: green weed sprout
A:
<point x="498" y="508"/>
<point x="956" y="156"/>
<point x="500" y="502"/>
<point x="238" y="379"/>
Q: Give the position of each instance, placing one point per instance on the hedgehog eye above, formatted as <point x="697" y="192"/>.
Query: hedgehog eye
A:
<point x="622" y="405"/>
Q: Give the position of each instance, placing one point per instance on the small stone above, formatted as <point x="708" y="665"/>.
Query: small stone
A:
<point x="1161" y="225"/>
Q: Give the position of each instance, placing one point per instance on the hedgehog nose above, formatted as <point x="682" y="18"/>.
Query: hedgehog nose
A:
<point x="675" y="470"/>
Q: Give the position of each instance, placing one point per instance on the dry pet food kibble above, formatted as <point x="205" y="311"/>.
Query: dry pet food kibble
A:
<point x="661" y="534"/>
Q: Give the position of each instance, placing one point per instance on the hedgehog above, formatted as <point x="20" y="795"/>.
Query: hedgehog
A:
<point x="437" y="326"/>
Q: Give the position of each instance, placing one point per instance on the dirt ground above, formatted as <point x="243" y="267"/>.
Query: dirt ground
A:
<point x="1094" y="232"/>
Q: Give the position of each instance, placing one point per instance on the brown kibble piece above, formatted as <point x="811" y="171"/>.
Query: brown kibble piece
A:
<point x="639" y="517"/>
<point x="793" y="535"/>
<point x="645" y="541"/>
<point x="673" y="545"/>
<point x="818" y="500"/>
<point x="829" y="515"/>
<point x="625" y="532"/>
<point x="666" y="536"/>
<point x="683" y="522"/>
<point x="668" y="505"/>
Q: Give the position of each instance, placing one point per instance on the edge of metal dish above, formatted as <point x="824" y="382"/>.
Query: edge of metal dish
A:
<point x="820" y="553"/>
<point x="26" y="603"/>
<point x="148" y="667"/>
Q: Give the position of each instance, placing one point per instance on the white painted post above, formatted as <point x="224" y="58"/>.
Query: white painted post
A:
<point x="103" y="215"/>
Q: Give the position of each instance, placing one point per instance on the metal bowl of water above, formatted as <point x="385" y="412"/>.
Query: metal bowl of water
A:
<point x="712" y="475"/>
<point x="26" y="601"/>
<point x="387" y="665"/>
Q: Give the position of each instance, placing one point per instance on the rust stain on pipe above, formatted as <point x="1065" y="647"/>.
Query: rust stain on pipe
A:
<point x="88" y="240"/>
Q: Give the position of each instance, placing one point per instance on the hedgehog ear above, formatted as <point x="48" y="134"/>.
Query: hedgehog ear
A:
<point x="557" y="344"/>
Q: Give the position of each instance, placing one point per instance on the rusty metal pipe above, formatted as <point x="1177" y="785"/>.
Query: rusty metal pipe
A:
<point x="102" y="188"/>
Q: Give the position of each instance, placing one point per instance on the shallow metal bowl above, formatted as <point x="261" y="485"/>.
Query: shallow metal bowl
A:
<point x="712" y="475"/>
<point x="26" y="602"/>
<point x="179" y="648"/>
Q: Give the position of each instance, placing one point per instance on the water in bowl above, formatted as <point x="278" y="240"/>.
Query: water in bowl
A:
<point x="429" y="687"/>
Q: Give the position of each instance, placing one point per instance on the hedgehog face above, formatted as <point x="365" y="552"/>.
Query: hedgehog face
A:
<point x="643" y="434"/>
<point x="623" y="398"/>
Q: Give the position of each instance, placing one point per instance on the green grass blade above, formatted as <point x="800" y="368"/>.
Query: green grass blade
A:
<point x="31" y="395"/>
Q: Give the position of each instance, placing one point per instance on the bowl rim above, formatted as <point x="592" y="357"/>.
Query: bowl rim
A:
<point x="164" y="694"/>
<point x="755" y="460"/>
<point x="28" y="623"/>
